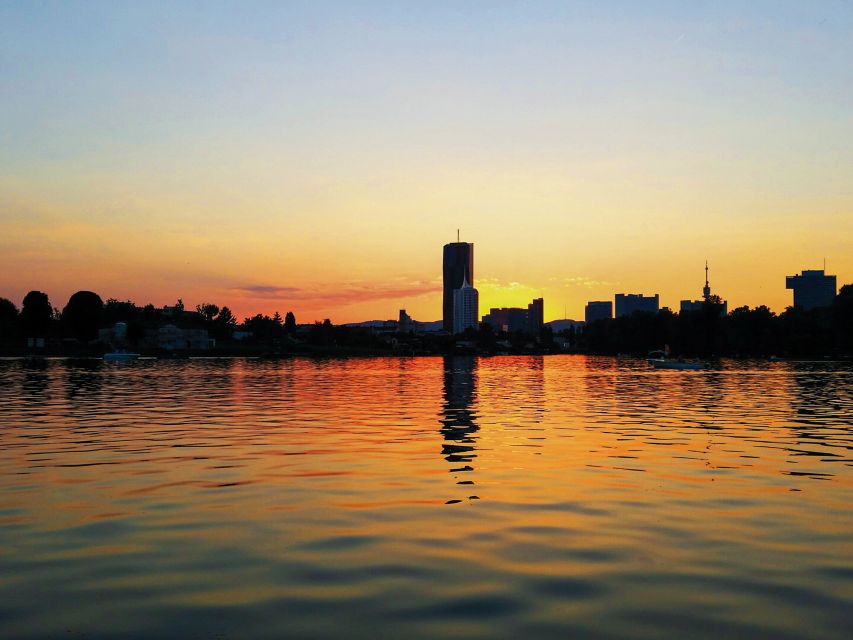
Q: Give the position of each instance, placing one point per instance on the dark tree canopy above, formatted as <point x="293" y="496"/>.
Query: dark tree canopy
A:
<point x="207" y="310"/>
<point x="82" y="316"/>
<point x="8" y="321"/>
<point x="36" y="314"/>
<point x="223" y="325"/>
<point x="796" y="332"/>
<point x="226" y="318"/>
<point x="290" y="322"/>
<point x="8" y="311"/>
<point x="119" y="311"/>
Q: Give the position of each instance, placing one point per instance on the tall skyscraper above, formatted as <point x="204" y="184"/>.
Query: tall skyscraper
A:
<point x="466" y="302"/>
<point x="458" y="265"/>
<point x="812" y="289"/>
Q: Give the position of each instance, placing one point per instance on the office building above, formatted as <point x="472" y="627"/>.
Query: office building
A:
<point x="510" y="319"/>
<point x="517" y="319"/>
<point x="465" y="307"/>
<point x="598" y="310"/>
<point x="404" y="324"/>
<point x="630" y="303"/>
<point x="535" y="316"/>
<point x="457" y="265"/>
<point x="812" y="289"/>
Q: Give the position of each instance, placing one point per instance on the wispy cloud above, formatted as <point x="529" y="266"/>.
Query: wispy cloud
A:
<point x="340" y="294"/>
<point x="584" y="281"/>
<point x="501" y="285"/>
<point x="267" y="290"/>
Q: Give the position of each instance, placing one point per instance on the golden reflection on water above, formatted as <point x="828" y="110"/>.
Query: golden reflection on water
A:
<point x="461" y="496"/>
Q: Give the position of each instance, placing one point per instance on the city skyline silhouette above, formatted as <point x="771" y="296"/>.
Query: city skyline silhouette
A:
<point x="316" y="154"/>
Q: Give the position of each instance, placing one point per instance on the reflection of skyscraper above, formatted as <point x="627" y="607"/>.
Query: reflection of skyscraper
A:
<point x="457" y="265"/>
<point x="458" y="424"/>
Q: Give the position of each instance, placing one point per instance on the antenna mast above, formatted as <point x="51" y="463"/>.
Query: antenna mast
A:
<point x="457" y="236"/>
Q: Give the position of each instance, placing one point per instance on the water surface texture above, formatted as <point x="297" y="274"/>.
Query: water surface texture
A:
<point x="404" y="498"/>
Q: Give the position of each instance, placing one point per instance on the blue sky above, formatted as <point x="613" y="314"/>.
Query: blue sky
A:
<point x="563" y="126"/>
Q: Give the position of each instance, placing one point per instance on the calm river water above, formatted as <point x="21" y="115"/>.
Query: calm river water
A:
<point x="404" y="498"/>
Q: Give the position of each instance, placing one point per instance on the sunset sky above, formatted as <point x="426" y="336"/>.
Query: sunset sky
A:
<point x="316" y="156"/>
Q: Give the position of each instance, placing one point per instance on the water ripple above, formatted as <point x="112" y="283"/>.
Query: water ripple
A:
<point x="459" y="497"/>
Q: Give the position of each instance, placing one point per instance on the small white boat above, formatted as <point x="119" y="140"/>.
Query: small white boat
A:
<point x="120" y="356"/>
<point x="663" y="363"/>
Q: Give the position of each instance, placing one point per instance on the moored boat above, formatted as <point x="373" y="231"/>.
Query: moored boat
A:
<point x="662" y="363"/>
<point x="661" y="360"/>
<point x="120" y="356"/>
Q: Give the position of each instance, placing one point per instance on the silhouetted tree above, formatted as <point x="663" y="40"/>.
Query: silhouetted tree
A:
<point x="36" y="315"/>
<point x="806" y="331"/>
<point x="752" y="332"/>
<point x="322" y="333"/>
<point x="207" y="310"/>
<point x="263" y="327"/>
<point x="486" y="338"/>
<point x="81" y="317"/>
<point x="8" y="321"/>
<point x="290" y="322"/>
<point x="119" y="311"/>
<point x="842" y="317"/>
<point x="223" y="325"/>
<point x="225" y="317"/>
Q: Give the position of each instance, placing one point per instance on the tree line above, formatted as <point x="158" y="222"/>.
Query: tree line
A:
<point x="86" y="313"/>
<point x="747" y="332"/>
<point x="756" y="332"/>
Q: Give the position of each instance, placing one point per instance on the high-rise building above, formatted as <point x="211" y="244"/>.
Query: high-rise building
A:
<point x="517" y="319"/>
<point x="598" y="310"/>
<point x="466" y="301"/>
<point x="404" y="324"/>
<point x="628" y="303"/>
<point x="812" y="289"/>
<point x="510" y="319"/>
<point x="457" y="265"/>
<point x="535" y="316"/>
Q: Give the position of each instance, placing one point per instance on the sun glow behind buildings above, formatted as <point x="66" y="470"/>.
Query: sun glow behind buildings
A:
<point x="317" y="157"/>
